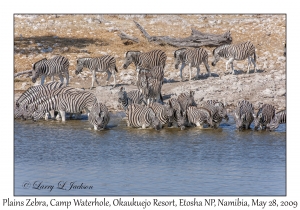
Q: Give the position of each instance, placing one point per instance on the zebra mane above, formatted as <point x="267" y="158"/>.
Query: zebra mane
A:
<point x="178" y="50"/>
<point x="33" y="67"/>
<point x="130" y="52"/>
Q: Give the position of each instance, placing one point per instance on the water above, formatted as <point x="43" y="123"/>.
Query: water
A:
<point x="49" y="156"/>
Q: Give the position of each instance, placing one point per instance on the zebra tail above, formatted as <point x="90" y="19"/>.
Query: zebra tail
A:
<point x="116" y="69"/>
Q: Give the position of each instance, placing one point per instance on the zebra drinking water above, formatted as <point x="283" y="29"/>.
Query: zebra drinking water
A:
<point x="199" y="116"/>
<point x="239" y="51"/>
<point x="243" y="114"/>
<point x="99" y="116"/>
<point x="57" y="65"/>
<point x="142" y="116"/>
<point x="264" y="116"/>
<point x="179" y="118"/>
<point x="132" y="97"/>
<point x="145" y="60"/>
<point x="163" y="112"/>
<point x="193" y="58"/>
<point x="279" y="118"/>
<point x="104" y="63"/>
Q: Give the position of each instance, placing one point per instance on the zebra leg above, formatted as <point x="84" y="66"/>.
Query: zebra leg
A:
<point x="108" y="76"/>
<point x="207" y="68"/>
<point x="114" y="76"/>
<point x="67" y="78"/>
<point x="93" y="78"/>
<point x="182" y="66"/>
<point x="190" y="67"/>
<point x="52" y="114"/>
<point x="231" y="63"/>
<point x="198" y="72"/>
<point x="254" y="64"/>
<point x="43" y="79"/>
<point x="63" y="115"/>
<point x="249" y="62"/>
<point x="61" y="78"/>
<point x="52" y="78"/>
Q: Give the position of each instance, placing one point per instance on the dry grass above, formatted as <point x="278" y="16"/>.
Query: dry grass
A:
<point x="77" y="35"/>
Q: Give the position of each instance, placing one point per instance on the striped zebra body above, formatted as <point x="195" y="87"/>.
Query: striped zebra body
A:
<point x="193" y="58"/>
<point x="264" y="116"/>
<point x="279" y="118"/>
<point x="132" y="97"/>
<point x="178" y="117"/>
<point x="99" y="116"/>
<point x="57" y="65"/>
<point x="239" y="51"/>
<point x="199" y="116"/>
<point x="67" y="102"/>
<point x="163" y="112"/>
<point x="106" y="63"/>
<point x="185" y="100"/>
<point x="146" y="60"/>
<point x="142" y="116"/>
<point x="218" y="111"/>
<point x="243" y="114"/>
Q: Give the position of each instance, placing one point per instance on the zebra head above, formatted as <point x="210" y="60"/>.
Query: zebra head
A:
<point x="178" y="56"/>
<point x="79" y="67"/>
<point x="168" y="111"/>
<point x="38" y="114"/>
<point x="239" y="119"/>
<point x="222" y="110"/>
<point x="37" y="67"/>
<point x="216" y="56"/>
<point x="100" y="121"/>
<point x="130" y="56"/>
<point x="257" y="118"/>
<point x="122" y="98"/>
<point x="155" y="122"/>
<point x="273" y="124"/>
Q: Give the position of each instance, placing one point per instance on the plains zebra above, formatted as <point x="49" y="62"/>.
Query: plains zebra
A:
<point x="243" y="114"/>
<point x="142" y="116"/>
<point x="132" y="97"/>
<point x="179" y="118"/>
<point x="279" y="118"/>
<point x="145" y="60"/>
<point x="67" y="102"/>
<point x="218" y="111"/>
<point x="99" y="116"/>
<point x="57" y="65"/>
<point x="199" y="116"/>
<point x="193" y="58"/>
<point x="163" y="112"/>
<point x="149" y="87"/>
<point x="264" y="116"/>
<point x="106" y="63"/>
<point x="186" y="99"/>
<point x="239" y="51"/>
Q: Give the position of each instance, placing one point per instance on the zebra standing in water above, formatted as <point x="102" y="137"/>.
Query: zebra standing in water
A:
<point x="99" y="116"/>
<point x="57" y="65"/>
<point x="193" y="58"/>
<point x="72" y="102"/>
<point x="142" y="116"/>
<point x="233" y="52"/>
<point x="279" y="118"/>
<point x="243" y="114"/>
<point x="178" y="115"/>
<point x="185" y="100"/>
<point x="199" y="116"/>
<point x="106" y="63"/>
<point x="218" y="111"/>
<point x="145" y="60"/>
<point x="264" y="116"/>
<point x="163" y="112"/>
<point x="132" y="97"/>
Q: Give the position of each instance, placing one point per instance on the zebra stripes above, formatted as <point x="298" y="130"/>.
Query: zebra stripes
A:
<point x="279" y="118"/>
<point x="57" y="65"/>
<point x="106" y="63"/>
<point x="185" y="100"/>
<point x="145" y="60"/>
<point x="72" y="102"/>
<point x="178" y="117"/>
<point x="199" y="116"/>
<point x="218" y="111"/>
<point x="99" y="116"/>
<point x="193" y="58"/>
<point x="243" y="114"/>
<point x="239" y="51"/>
<point x="264" y="116"/>
<point x="142" y="116"/>
<point x="163" y="112"/>
<point x="132" y="97"/>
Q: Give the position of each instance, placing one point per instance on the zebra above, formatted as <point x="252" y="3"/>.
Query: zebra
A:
<point x="199" y="116"/>
<point x="106" y="63"/>
<point x="239" y="51"/>
<point x="163" y="112"/>
<point x="66" y="102"/>
<point x="132" y="97"/>
<point x="178" y="115"/>
<point x="99" y="116"/>
<point x="57" y="65"/>
<point x="145" y="60"/>
<point x="149" y="87"/>
<point x="279" y="118"/>
<point x="243" y="114"/>
<point x="193" y="58"/>
<point x="218" y="111"/>
<point x="264" y="116"/>
<point x="186" y="99"/>
<point x="142" y="116"/>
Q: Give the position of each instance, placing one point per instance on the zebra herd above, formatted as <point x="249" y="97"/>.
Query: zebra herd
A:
<point x="144" y="107"/>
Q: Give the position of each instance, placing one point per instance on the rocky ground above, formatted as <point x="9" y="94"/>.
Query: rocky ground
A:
<point x="267" y="32"/>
